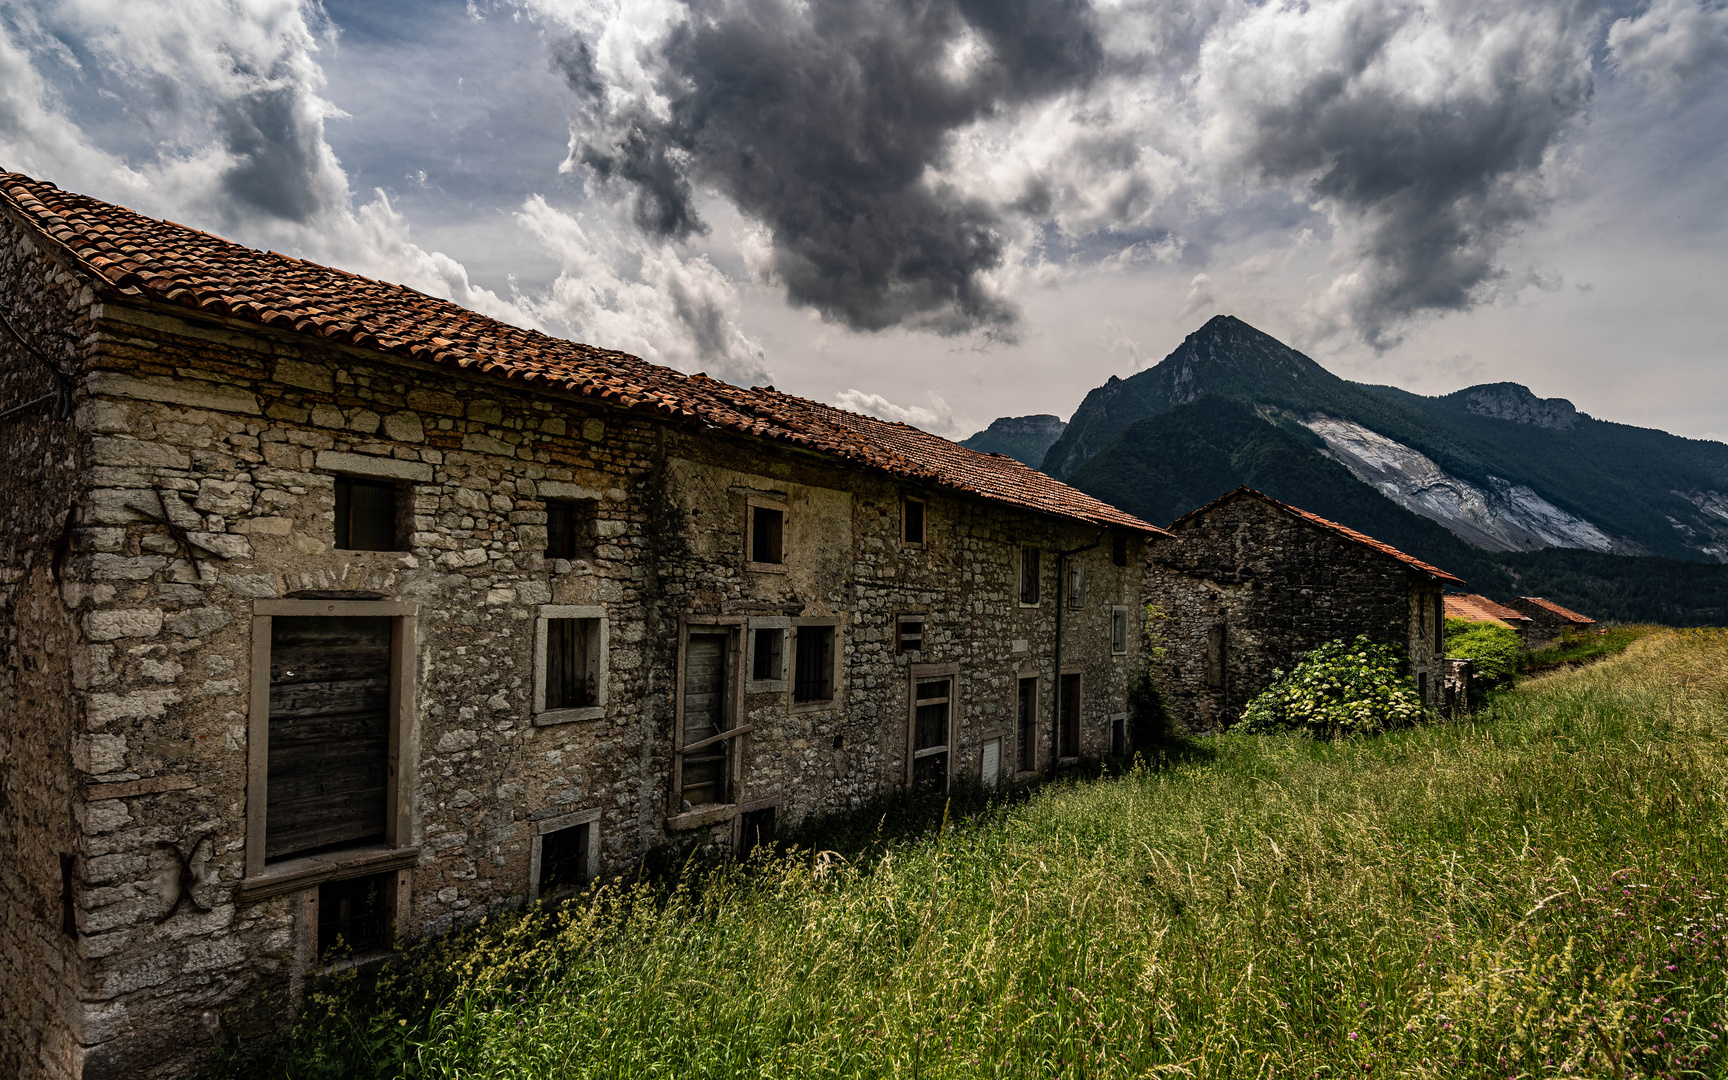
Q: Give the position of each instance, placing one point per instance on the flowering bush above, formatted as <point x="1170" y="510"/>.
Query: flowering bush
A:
<point x="1337" y="689"/>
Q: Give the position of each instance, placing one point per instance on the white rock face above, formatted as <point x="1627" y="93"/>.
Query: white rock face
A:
<point x="1507" y="517"/>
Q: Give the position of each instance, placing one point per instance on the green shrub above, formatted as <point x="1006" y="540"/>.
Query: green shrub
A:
<point x="1494" y="649"/>
<point x="1337" y="689"/>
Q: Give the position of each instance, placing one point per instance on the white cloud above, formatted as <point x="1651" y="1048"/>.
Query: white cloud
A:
<point x="1672" y="44"/>
<point x="937" y="418"/>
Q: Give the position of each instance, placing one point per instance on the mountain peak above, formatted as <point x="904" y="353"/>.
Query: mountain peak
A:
<point x="1225" y="358"/>
<point x="1515" y="402"/>
<point x="1023" y="438"/>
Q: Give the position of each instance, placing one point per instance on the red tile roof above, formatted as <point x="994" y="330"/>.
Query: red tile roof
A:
<point x="151" y="260"/>
<point x="1342" y="530"/>
<point x="1565" y="613"/>
<point x="1481" y="609"/>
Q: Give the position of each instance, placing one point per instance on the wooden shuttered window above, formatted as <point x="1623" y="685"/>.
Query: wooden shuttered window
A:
<point x="572" y="663"/>
<point x="1026" y="738"/>
<point x="932" y="714"/>
<point x="707" y="755"/>
<point x="813" y="677"/>
<point x="1069" y="705"/>
<point x="329" y="733"/>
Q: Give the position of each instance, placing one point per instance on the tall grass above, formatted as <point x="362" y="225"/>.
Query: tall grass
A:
<point x="1535" y="893"/>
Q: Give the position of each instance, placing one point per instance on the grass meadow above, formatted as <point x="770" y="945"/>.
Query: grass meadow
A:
<point x="1536" y="892"/>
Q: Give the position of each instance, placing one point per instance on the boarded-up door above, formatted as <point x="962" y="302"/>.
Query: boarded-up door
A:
<point x="329" y="733"/>
<point x="1070" y="715"/>
<point x="707" y="713"/>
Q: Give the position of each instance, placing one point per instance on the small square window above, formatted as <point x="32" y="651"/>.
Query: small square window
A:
<point x="355" y="914"/>
<point x="365" y="514"/>
<point x="565" y="855"/>
<point x="908" y="634"/>
<point x="569" y="664"/>
<point x="570" y="528"/>
<point x="912" y="521"/>
<point x="1029" y="572"/>
<point x="767" y="530"/>
<point x="755" y="829"/>
<point x="768" y="660"/>
<point x="1119" y="549"/>
<point x="814" y="677"/>
<point x="1119" y="631"/>
<point x="572" y="663"/>
<point x="1076" y="586"/>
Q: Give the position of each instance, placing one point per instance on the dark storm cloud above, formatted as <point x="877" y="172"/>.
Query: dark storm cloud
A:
<point x="280" y="167"/>
<point x="824" y="121"/>
<point x="1432" y="185"/>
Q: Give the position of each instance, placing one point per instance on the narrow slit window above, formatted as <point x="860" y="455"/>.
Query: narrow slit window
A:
<point x="1029" y="572"/>
<point x="815" y="664"/>
<point x="1026" y="738"/>
<point x="572" y="663"/>
<point x="912" y="521"/>
<point x="565" y="858"/>
<point x="1119" y="549"/>
<point x="1069" y="704"/>
<point x="908" y="635"/>
<point x="570" y="528"/>
<point x="365" y="514"/>
<point x="1118" y="736"/>
<point x="931" y="724"/>
<point x="767" y="532"/>
<point x="1119" y="631"/>
<point x="768" y="658"/>
<point x="1076" y="586"/>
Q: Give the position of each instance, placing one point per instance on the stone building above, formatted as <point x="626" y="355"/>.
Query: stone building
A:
<point x="1548" y="620"/>
<point x="1246" y="584"/>
<point x="1473" y="608"/>
<point x="333" y="609"/>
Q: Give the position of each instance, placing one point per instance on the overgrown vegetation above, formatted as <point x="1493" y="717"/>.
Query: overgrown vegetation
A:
<point x="1336" y="689"/>
<point x="1496" y="650"/>
<point x="1536" y="893"/>
<point x="1580" y="646"/>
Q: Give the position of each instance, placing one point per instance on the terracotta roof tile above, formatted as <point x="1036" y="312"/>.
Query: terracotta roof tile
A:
<point x="1481" y="609"/>
<point x="154" y="260"/>
<point x="1565" y="613"/>
<point x="1342" y="530"/>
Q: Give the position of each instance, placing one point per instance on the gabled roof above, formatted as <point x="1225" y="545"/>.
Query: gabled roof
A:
<point x="1315" y="519"/>
<point x="150" y="260"/>
<point x="1565" y="613"/>
<point x="1473" y="608"/>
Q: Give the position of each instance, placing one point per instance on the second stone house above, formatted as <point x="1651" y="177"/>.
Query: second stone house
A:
<point x="335" y="610"/>
<point x="1246" y="584"/>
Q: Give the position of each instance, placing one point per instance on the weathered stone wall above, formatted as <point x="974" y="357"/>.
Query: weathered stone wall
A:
<point x="213" y="447"/>
<point x="39" y="1007"/>
<point x="1544" y="628"/>
<point x="1277" y="586"/>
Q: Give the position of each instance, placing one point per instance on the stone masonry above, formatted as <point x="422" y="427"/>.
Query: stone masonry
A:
<point x="190" y="499"/>
<point x="1246" y="585"/>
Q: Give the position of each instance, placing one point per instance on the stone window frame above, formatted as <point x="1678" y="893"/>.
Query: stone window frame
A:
<point x="1020" y="576"/>
<point x="766" y="502"/>
<point x="915" y="674"/>
<point x="551" y="491"/>
<point x="542" y="716"/>
<point x="405" y="474"/>
<point x="773" y="803"/>
<point x="676" y="818"/>
<point x="781" y="685"/>
<point x="589" y="818"/>
<point x="1078" y="671"/>
<point x="397" y="852"/>
<point x="836" y="700"/>
<point x="1119" y="612"/>
<point x="924" y="538"/>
